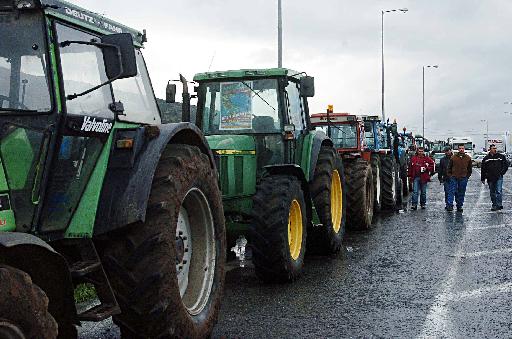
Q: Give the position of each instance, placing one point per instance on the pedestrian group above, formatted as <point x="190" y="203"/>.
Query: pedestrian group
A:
<point x="454" y="172"/>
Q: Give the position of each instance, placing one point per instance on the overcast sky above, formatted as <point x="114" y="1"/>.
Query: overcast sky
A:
<point x="338" y="42"/>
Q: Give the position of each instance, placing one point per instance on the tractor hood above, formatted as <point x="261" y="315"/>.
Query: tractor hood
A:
<point x="232" y="144"/>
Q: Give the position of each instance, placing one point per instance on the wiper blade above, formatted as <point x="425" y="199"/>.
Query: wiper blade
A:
<point x="259" y="96"/>
<point x="18" y="110"/>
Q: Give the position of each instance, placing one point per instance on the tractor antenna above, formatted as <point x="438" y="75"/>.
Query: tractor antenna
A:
<point x="211" y="61"/>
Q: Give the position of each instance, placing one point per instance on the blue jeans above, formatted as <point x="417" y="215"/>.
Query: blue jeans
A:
<point x="496" y="190"/>
<point x="447" y="184"/>
<point x="418" y="186"/>
<point x="457" y="190"/>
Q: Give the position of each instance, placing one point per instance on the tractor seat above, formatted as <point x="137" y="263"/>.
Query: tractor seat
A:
<point x="263" y="124"/>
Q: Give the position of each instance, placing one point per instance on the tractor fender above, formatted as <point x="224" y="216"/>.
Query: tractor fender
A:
<point x="47" y="269"/>
<point x="128" y="180"/>
<point x="295" y="170"/>
<point x="319" y="140"/>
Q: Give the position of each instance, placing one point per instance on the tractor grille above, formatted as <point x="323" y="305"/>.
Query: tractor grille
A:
<point x="224" y="179"/>
<point x="239" y="174"/>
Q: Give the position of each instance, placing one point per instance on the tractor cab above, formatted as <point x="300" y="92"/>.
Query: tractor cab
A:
<point x="253" y="119"/>
<point x="346" y="131"/>
<point x="67" y="78"/>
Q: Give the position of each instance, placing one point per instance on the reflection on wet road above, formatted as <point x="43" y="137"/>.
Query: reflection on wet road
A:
<point x="425" y="273"/>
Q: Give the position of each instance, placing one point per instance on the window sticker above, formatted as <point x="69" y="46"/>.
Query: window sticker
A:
<point x="236" y="106"/>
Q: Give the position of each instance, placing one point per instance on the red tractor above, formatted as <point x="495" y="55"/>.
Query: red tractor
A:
<point x="347" y="133"/>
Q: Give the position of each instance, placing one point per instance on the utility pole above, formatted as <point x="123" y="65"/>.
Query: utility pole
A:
<point x="423" y="96"/>
<point x="279" y="34"/>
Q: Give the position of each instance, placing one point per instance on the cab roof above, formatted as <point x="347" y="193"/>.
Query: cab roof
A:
<point x="79" y="16"/>
<point x="248" y="73"/>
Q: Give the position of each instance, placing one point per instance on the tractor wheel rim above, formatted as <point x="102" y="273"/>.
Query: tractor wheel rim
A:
<point x="195" y="236"/>
<point x="295" y="229"/>
<point x="9" y="330"/>
<point x="336" y="201"/>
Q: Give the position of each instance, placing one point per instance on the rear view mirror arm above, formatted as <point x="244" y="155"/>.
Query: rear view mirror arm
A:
<point x="99" y="45"/>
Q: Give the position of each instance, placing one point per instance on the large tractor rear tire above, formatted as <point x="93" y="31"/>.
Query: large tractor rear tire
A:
<point x="23" y="307"/>
<point x="360" y="194"/>
<point x="278" y="230"/>
<point x="389" y="182"/>
<point x="377" y="182"/>
<point x="328" y="194"/>
<point x="168" y="272"/>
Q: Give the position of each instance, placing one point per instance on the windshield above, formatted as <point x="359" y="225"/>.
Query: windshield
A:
<point x="23" y="64"/>
<point x="467" y="145"/>
<point x="343" y="136"/>
<point x="241" y="107"/>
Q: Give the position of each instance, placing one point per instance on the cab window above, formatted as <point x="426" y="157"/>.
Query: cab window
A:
<point x="294" y="103"/>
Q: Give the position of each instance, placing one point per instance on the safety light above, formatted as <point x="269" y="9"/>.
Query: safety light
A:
<point x="124" y="144"/>
<point x="330" y="108"/>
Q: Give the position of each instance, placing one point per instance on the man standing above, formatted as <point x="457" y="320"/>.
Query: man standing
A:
<point x="494" y="166"/>
<point x="422" y="167"/>
<point x="443" y="174"/>
<point x="459" y="171"/>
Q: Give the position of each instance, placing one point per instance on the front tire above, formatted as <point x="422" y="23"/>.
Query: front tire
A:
<point x="327" y="190"/>
<point x="23" y="307"/>
<point x="278" y="229"/>
<point x="168" y="272"/>
<point x="360" y="194"/>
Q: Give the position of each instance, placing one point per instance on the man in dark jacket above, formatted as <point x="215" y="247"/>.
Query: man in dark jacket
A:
<point x="442" y="171"/>
<point x="459" y="171"/>
<point x="494" y="166"/>
<point x="420" y="170"/>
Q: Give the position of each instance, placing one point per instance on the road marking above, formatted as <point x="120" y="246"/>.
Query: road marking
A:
<point x="483" y="228"/>
<point x="491" y="252"/>
<point x="480" y="292"/>
<point x="437" y="323"/>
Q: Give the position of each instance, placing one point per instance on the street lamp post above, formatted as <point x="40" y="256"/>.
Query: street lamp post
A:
<point x="382" y="12"/>
<point x="486" y="133"/>
<point x="423" y="96"/>
<point x="279" y="34"/>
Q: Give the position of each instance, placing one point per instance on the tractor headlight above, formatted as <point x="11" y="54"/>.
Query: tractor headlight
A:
<point x="25" y="4"/>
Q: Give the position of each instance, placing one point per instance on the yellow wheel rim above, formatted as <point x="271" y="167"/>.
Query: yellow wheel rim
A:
<point x="295" y="229"/>
<point x="336" y="201"/>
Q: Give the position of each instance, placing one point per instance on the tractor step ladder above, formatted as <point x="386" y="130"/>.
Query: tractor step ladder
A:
<point x="89" y="269"/>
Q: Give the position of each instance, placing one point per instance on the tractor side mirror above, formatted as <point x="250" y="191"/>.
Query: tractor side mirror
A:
<point x="119" y="56"/>
<point x="170" y="93"/>
<point x="307" y="86"/>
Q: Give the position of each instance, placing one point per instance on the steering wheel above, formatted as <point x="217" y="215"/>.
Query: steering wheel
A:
<point x="19" y="104"/>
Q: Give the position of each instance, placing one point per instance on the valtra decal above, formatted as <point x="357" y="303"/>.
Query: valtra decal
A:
<point x="92" y="125"/>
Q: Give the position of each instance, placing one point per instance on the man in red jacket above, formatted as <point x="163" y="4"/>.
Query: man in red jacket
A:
<point x="422" y="167"/>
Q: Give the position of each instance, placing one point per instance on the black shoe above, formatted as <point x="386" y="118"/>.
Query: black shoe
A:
<point x="449" y="208"/>
<point x="494" y="208"/>
<point x="460" y="209"/>
<point x="423" y="207"/>
<point x="414" y="207"/>
<point x="500" y="208"/>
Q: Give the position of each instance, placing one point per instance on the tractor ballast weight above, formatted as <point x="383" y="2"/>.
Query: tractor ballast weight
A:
<point x="281" y="181"/>
<point x="94" y="188"/>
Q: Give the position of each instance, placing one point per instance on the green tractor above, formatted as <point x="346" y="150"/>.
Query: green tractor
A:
<point x="95" y="189"/>
<point x="281" y="181"/>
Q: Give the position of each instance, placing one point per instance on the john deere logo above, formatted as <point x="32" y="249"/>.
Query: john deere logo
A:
<point x="91" y="125"/>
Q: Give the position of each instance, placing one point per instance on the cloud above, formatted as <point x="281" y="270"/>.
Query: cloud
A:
<point x="339" y="43"/>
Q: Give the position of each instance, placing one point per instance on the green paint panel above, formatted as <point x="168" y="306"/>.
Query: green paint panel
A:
<point x="18" y="157"/>
<point x="247" y="73"/>
<point x="83" y="220"/>
<point x="305" y="155"/>
<point x="7" y="221"/>
<point x="3" y="181"/>
<point x="237" y="164"/>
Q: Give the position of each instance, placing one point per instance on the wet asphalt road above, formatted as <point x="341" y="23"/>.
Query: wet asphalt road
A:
<point x="425" y="273"/>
